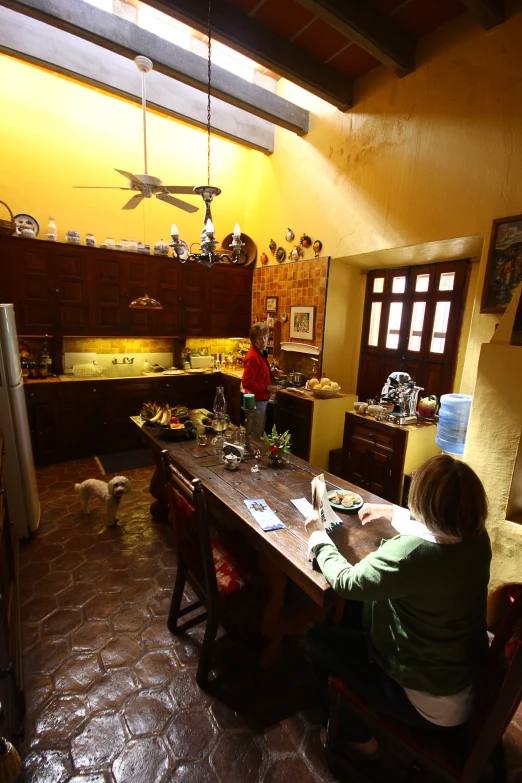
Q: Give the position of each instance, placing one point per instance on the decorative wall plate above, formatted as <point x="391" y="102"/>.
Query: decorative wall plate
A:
<point x="305" y="240"/>
<point x="280" y="254"/>
<point x="289" y="236"/>
<point x="318" y="246"/>
<point x="296" y="253"/>
<point x="284" y="316"/>
<point x="28" y="221"/>
<point x="264" y="258"/>
<point x="272" y="246"/>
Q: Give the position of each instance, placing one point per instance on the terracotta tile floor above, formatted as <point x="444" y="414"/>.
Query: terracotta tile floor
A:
<point x="111" y="694"/>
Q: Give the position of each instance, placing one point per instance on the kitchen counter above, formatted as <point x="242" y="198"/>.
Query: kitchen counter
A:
<point x="68" y="378"/>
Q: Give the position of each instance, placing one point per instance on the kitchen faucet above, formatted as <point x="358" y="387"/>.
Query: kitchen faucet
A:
<point x="125" y="360"/>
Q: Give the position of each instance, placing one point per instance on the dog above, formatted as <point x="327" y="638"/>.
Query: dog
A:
<point x="110" y="493"/>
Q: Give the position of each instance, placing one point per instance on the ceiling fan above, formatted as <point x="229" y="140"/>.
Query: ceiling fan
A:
<point x="146" y="184"/>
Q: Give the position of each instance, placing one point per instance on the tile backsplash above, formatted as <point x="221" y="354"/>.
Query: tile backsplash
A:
<point x="124" y="345"/>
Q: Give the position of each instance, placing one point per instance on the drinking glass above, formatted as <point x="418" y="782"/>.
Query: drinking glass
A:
<point x="202" y="439"/>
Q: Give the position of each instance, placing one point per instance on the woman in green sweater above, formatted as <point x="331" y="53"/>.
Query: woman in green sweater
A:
<point x="417" y="646"/>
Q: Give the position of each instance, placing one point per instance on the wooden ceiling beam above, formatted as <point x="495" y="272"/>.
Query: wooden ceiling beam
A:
<point x="490" y="13"/>
<point x="243" y="34"/>
<point x="370" y="28"/>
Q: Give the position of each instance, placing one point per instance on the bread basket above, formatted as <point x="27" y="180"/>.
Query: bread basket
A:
<point x="7" y="227"/>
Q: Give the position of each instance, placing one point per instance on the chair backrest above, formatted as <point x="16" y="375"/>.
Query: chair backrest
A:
<point x="500" y="690"/>
<point x="191" y="530"/>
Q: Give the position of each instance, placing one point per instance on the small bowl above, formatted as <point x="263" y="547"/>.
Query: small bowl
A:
<point x="323" y="394"/>
<point x="361" y="407"/>
<point x="376" y="410"/>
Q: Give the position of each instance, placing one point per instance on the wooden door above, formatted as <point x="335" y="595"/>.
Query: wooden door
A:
<point x="83" y="418"/>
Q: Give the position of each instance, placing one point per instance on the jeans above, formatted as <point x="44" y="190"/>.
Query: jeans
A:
<point x="258" y="419"/>
<point x="343" y="651"/>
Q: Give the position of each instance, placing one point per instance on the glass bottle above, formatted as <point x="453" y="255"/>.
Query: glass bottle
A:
<point x="52" y="231"/>
<point x="42" y="369"/>
<point x="220" y="423"/>
<point x="25" y="369"/>
<point x="33" y="370"/>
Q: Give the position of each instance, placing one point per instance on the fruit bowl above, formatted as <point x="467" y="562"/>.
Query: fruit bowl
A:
<point x="323" y="394"/>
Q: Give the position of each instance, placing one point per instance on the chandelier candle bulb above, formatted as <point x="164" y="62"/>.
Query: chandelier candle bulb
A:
<point x="249" y="402"/>
<point x="237" y="230"/>
<point x="174" y="232"/>
<point x="209" y="227"/>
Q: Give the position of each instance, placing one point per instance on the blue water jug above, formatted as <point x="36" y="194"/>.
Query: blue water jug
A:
<point x="453" y="423"/>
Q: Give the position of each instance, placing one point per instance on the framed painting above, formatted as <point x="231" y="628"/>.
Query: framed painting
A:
<point x="503" y="265"/>
<point x="302" y="322"/>
<point x="271" y="304"/>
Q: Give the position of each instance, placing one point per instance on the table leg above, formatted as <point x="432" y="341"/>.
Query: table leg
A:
<point x="159" y="510"/>
<point x="271" y="623"/>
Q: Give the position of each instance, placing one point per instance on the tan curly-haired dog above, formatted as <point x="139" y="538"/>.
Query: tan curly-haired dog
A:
<point x="110" y="493"/>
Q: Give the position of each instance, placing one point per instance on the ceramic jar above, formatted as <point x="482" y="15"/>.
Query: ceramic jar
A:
<point x="27" y="231"/>
<point x="132" y="246"/>
<point x="109" y="243"/>
<point x="161" y="248"/>
<point x="90" y="240"/>
<point x="73" y="237"/>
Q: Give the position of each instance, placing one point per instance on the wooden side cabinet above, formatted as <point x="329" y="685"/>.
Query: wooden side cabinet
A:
<point x="12" y="707"/>
<point x="232" y="391"/>
<point x="377" y="454"/>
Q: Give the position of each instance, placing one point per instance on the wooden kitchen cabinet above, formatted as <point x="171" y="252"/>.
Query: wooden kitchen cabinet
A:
<point x="64" y="289"/>
<point x="45" y="426"/>
<point x="316" y="426"/>
<point x="83" y="423"/>
<point x="230" y="301"/>
<point x="295" y="415"/>
<point x="124" y="399"/>
<point x="377" y="454"/>
<point x="12" y="704"/>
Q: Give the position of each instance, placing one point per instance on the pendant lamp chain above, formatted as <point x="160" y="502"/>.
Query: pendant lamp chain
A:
<point x="209" y="70"/>
<point x="208" y="242"/>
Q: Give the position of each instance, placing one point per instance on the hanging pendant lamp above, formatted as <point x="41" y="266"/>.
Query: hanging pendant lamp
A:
<point x="208" y="243"/>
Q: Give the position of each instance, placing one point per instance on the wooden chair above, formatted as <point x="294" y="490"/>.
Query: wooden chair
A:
<point x="458" y="754"/>
<point x="205" y="562"/>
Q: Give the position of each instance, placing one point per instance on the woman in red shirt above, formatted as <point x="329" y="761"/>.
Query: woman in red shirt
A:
<point x="257" y="375"/>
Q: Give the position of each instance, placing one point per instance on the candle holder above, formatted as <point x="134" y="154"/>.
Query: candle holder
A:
<point x="249" y="448"/>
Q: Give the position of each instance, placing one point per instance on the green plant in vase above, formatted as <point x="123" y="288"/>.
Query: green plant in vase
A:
<point x="277" y="445"/>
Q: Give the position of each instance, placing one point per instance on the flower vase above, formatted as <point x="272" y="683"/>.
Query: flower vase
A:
<point x="275" y="461"/>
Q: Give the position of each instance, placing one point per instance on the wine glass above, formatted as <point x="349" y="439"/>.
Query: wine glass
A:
<point x="220" y="423"/>
<point x="257" y="460"/>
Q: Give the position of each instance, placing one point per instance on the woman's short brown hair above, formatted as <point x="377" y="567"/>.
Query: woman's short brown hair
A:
<point x="448" y="496"/>
<point x="258" y="330"/>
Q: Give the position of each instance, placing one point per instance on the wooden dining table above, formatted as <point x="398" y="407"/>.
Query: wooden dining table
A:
<point x="284" y="552"/>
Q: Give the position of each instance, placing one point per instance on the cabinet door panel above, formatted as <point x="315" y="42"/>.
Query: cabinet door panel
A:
<point x="380" y="473"/>
<point x="194" y="300"/>
<point x="33" y="287"/>
<point x="106" y="294"/>
<point x="167" y="289"/>
<point x="123" y="400"/>
<point x="135" y="285"/>
<point x="71" y="271"/>
<point x="295" y="416"/>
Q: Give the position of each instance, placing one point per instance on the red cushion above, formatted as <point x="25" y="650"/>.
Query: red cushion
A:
<point x="447" y="748"/>
<point x="230" y="579"/>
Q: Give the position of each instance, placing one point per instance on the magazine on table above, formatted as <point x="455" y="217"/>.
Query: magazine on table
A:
<point x="321" y="504"/>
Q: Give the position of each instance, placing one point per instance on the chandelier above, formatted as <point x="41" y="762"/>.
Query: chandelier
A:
<point x="208" y="243"/>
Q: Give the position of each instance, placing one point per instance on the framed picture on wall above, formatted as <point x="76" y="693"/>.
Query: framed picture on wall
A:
<point x="503" y="265"/>
<point x="302" y="322"/>
<point x="271" y="304"/>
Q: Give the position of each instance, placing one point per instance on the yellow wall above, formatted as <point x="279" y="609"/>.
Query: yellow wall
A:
<point x="432" y="156"/>
<point x="343" y="322"/>
<point x="56" y="133"/>
<point x="493" y="441"/>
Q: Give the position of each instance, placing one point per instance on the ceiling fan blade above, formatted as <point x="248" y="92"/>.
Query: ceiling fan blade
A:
<point x="134" y="201"/>
<point x="129" y="176"/>
<point x="100" y="187"/>
<point x="176" y="202"/>
<point x="186" y="189"/>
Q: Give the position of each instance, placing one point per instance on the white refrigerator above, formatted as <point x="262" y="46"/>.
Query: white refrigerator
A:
<point x="20" y="480"/>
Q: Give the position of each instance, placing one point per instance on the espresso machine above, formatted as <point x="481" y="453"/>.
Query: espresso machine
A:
<point x="400" y="389"/>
